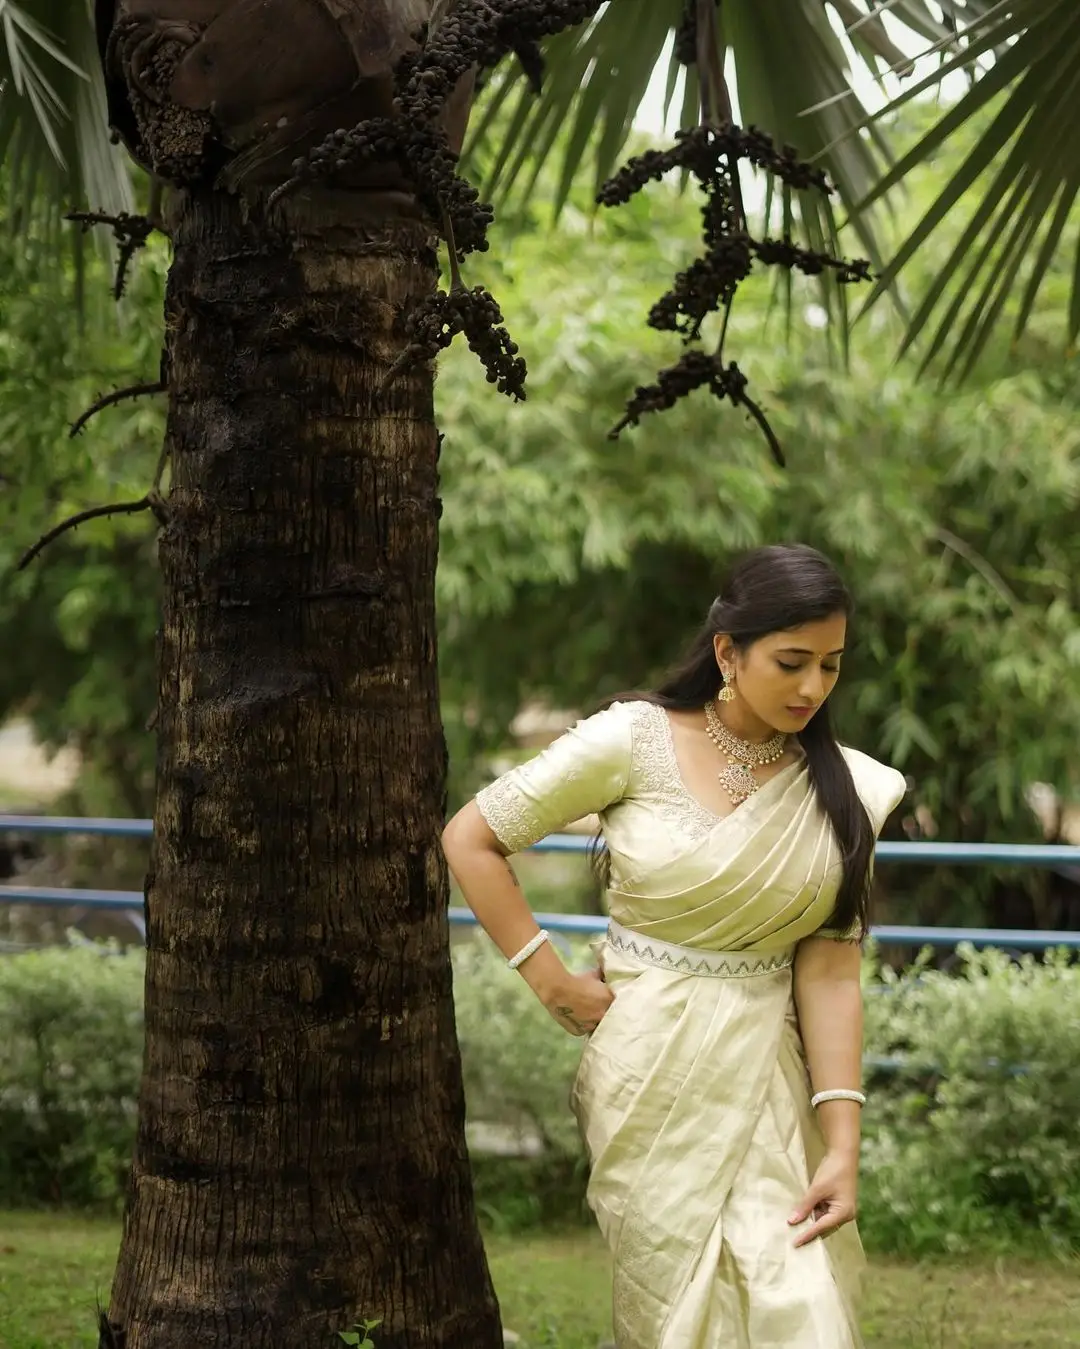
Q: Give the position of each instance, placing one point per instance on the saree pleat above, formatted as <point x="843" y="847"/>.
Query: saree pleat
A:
<point x="693" y="1094"/>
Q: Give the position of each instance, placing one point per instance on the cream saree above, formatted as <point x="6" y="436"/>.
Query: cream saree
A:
<point x="693" y="1095"/>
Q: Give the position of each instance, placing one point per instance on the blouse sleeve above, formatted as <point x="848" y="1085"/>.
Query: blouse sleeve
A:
<point x="583" y="771"/>
<point x="881" y="790"/>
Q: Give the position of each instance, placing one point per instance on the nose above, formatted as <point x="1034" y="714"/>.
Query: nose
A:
<point x="811" y="689"/>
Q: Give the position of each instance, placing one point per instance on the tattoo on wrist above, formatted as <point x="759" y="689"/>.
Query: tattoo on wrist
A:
<point x="581" y="1027"/>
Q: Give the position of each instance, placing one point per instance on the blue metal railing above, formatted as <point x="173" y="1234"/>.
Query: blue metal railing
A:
<point x="1054" y="856"/>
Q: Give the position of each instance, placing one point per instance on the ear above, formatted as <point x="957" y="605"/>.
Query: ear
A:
<point x="724" y="648"/>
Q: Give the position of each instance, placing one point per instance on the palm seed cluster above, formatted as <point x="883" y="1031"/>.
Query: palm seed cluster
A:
<point x="476" y="34"/>
<point x="710" y="153"/>
<point x="437" y="319"/>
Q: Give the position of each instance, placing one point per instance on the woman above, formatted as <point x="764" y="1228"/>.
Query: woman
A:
<point x="718" y="1092"/>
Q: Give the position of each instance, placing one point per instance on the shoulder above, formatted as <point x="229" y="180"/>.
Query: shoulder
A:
<point x="624" y="716"/>
<point x="880" y="787"/>
<point x="637" y="709"/>
<point x="610" y="729"/>
<point x="633" y="729"/>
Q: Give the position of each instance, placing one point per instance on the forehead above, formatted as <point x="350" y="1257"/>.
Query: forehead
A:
<point x="823" y="637"/>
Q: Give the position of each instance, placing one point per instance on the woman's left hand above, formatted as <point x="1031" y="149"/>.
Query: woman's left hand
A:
<point x="830" y="1200"/>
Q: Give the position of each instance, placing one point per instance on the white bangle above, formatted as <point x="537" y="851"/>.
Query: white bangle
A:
<point x="528" y="949"/>
<point x="841" y="1094"/>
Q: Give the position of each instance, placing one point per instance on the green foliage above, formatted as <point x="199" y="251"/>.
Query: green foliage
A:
<point x="1022" y="60"/>
<point x="977" y="1145"/>
<point x="517" y="1077"/>
<point x="961" y="1151"/>
<point x="80" y="620"/>
<point x="70" y="1059"/>
<point x="54" y="139"/>
<point x="572" y="566"/>
<point x="509" y="1058"/>
<point x="360" y="1336"/>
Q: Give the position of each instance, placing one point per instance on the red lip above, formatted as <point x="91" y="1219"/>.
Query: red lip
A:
<point x="800" y="711"/>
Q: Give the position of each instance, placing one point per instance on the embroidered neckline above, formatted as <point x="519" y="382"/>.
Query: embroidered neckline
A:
<point x="661" y="756"/>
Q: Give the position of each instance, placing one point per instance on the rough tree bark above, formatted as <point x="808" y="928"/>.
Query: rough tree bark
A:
<point x="300" y="1161"/>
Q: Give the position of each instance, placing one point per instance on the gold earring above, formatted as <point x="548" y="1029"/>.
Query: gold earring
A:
<point x="727" y="689"/>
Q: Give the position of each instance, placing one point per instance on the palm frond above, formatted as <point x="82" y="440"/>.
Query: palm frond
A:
<point x="794" y="79"/>
<point x="54" y="137"/>
<point x="1023" y="166"/>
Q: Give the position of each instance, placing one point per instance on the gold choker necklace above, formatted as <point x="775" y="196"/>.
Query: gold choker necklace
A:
<point x="743" y="756"/>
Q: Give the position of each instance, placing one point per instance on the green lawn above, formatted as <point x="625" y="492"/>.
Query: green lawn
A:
<point x="554" y="1292"/>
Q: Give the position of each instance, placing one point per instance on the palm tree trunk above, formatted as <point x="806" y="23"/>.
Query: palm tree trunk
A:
<point x="301" y="1160"/>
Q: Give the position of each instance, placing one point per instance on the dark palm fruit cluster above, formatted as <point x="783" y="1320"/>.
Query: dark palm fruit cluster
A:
<point x="686" y="33"/>
<point x="480" y="33"/>
<point x="709" y="153"/>
<point x="490" y="341"/>
<point x="423" y="154"/>
<point x="369" y="142"/>
<point x="434" y="323"/>
<point x="475" y="34"/>
<point x="704" y="286"/>
<point x="787" y="253"/>
<point x="693" y="370"/>
<point x="710" y="281"/>
<point x="426" y="157"/>
<point x="696" y="369"/>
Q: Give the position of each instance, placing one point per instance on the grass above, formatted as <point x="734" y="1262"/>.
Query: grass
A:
<point x="554" y="1292"/>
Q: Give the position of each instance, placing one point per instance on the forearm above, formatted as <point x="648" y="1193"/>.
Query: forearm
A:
<point x="828" y="999"/>
<point x="492" y="892"/>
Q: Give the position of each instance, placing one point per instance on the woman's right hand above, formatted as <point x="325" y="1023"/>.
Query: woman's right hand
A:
<point x="579" y="1002"/>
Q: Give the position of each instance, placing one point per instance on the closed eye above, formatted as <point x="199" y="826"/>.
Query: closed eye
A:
<point x="829" y="669"/>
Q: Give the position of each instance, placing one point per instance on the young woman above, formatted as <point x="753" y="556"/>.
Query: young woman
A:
<point x="718" y="1092"/>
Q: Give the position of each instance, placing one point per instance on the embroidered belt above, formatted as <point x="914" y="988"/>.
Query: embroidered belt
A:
<point x="690" y="960"/>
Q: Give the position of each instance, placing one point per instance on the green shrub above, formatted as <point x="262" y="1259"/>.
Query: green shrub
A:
<point x="976" y="1143"/>
<point x="962" y="1152"/>
<point x="518" y="1064"/>
<point x="70" y="1059"/>
<point x="519" y="1194"/>
<point x="518" y="1068"/>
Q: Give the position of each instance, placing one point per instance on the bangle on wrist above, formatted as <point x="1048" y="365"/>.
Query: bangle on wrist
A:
<point x="838" y="1094"/>
<point x="530" y="948"/>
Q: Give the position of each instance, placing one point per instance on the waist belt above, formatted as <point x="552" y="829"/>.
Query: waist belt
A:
<point x="690" y="960"/>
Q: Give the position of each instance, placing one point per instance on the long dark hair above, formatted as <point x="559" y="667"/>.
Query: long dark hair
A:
<point x="770" y="590"/>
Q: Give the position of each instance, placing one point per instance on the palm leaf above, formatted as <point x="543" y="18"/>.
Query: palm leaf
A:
<point x="54" y="135"/>
<point x="793" y="79"/>
<point x="1028" y="160"/>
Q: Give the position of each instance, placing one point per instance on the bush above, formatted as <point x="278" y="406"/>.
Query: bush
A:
<point x="972" y="1145"/>
<point x="976" y="1143"/>
<point x="70" y="1060"/>
<point x="518" y="1065"/>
